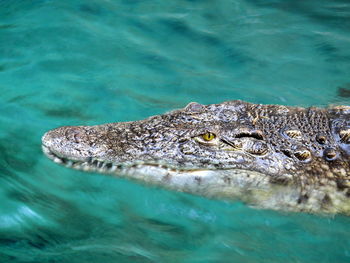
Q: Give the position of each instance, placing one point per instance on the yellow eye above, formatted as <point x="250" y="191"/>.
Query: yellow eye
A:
<point x="208" y="136"/>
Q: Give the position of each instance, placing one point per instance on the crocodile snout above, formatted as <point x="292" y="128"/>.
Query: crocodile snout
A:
<point x="71" y="142"/>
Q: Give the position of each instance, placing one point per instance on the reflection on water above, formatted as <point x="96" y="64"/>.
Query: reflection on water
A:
<point x="89" y="62"/>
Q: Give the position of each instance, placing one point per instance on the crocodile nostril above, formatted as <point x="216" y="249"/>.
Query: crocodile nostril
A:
<point x="330" y="154"/>
<point x="74" y="134"/>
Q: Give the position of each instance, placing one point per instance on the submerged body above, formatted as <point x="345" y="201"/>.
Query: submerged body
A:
<point x="269" y="156"/>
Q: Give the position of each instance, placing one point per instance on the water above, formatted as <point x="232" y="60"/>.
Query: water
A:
<point x="90" y="62"/>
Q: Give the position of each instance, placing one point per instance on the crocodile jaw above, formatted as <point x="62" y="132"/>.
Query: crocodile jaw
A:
<point x="229" y="184"/>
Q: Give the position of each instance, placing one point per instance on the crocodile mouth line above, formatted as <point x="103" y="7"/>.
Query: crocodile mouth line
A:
<point x="89" y="164"/>
<point x="92" y="164"/>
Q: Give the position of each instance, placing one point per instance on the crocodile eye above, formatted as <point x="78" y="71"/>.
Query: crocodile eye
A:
<point x="208" y="136"/>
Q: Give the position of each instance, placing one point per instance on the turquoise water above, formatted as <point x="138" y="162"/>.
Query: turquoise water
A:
<point x="90" y="62"/>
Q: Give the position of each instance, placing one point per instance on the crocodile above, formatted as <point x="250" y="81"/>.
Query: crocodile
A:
<point x="267" y="156"/>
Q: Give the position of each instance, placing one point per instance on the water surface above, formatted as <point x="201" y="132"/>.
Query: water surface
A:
<point x="91" y="62"/>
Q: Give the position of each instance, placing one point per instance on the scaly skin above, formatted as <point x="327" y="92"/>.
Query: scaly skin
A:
<point x="269" y="156"/>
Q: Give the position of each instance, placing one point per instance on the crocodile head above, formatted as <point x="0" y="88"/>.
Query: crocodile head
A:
<point x="260" y="154"/>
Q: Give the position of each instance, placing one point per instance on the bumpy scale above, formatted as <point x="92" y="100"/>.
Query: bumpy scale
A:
<point x="269" y="156"/>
